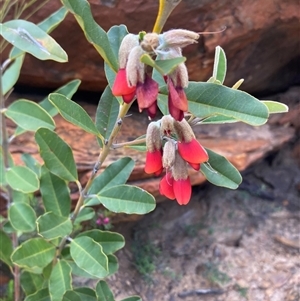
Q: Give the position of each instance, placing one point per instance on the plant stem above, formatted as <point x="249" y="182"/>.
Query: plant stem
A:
<point x="5" y="151"/>
<point x="129" y="143"/>
<point x="164" y="11"/>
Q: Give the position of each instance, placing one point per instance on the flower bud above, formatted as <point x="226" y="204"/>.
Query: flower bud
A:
<point x="178" y="38"/>
<point x="169" y="154"/>
<point x="150" y="42"/>
<point x="166" y="125"/>
<point x="135" y="69"/>
<point x="183" y="130"/>
<point x="127" y="44"/>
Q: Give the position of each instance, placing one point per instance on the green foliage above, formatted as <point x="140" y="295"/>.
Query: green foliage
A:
<point x="40" y="239"/>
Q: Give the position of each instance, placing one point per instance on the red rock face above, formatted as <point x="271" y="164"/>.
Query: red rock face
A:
<point x="261" y="41"/>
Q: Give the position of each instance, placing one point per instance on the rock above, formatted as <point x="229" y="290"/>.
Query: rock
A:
<point x="261" y="41"/>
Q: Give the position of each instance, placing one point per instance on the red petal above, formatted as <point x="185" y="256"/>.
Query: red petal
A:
<point x="153" y="162"/>
<point x="120" y="86"/>
<point x="192" y="152"/>
<point x="165" y="186"/>
<point x="178" y="99"/>
<point x="174" y="112"/>
<point x="128" y="97"/>
<point x="146" y="93"/>
<point x="152" y="110"/>
<point x="195" y="166"/>
<point x="182" y="190"/>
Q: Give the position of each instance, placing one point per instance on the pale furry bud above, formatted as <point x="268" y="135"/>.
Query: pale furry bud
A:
<point x="177" y="38"/>
<point x="183" y="130"/>
<point x="135" y="69"/>
<point x="150" y="42"/>
<point x="153" y="138"/>
<point x="180" y="76"/>
<point x="179" y="169"/>
<point x="169" y="154"/>
<point x="127" y="44"/>
<point x="166" y="125"/>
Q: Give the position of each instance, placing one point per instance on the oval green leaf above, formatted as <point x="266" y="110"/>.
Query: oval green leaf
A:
<point x="52" y="226"/>
<point x="41" y="295"/>
<point x="57" y="154"/>
<point x="103" y="291"/>
<point x="29" y="115"/>
<point x="30" y="282"/>
<point x="107" y="113"/>
<point x="6" y="248"/>
<point x="110" y="241"/>
<point x="85" y="214"/>
<point x="22" y="217"/>
<point x="60" y="280"/>
<point x="73" y="112"/>
<point x="86" y="293"/>
<point x="22" y="179"/>
<point x="208" y="99"/>
<point x="71" y="296"/>
<point x="89" y="256"/>
<point x="34" y="252"/>
<point x="220" y="171"/>
<point x="220" y="65"/>
<point x="127" y="199"/>
<point x="30" y="38"/>
<point x="55" y="193"/>
<point x="132" y="298"/>
<point x="32" y="164"/>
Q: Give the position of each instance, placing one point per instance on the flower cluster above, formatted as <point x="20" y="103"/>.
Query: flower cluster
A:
<point x="132" y="79"/>
<point x="180" y="150"/>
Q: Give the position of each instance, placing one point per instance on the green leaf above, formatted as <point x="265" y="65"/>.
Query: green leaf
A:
<point x="68" y="90"/>
<point x="220" y="171"/>
<point x="113" y="264"/>
<point x="132" y="298"/>
<point x="217" y="119"/>
<point x="103" y="292"/>
<point x="22" y="217"/>
<point x="55" y="193"/>
<point x="164" y="67"/>
<point x="29" y="115"/>
<point x="88" y="255"/>
<point x="110" y="241"/>
<point x="30" y="38"/>
<point x="52" y="226"/>
<point x="115" y="174"/>
<point x="73" y="112"/>
<point x="57" y="154"/>
<point x="127" y="199"/>
<point x="60" y="280"/>
<point x="41" y="295"/>
<point x="107" y="113"/>
<point x="85" y="214"/>
<point x="11" y="74"/>
<point x="208" y="99"/>
<point x="23" y="179"/>
<point x="34" y="252"/>
<point x="71" y="296"/>
<point x="32" y="164"/>
<point x="6" y="248"/>
<point x="47" y="25"/>
<point x="275" y="106"/>
<point x="220" y="65"/>
<point x="93" y="32"/>
<point x="20" y="197"/>
<point x="115" y="36"/>
<point x="86" y="293"/>
<point x="30" y="282"/>
<point x="77" y="271"/>
<point x="139" y="146"/>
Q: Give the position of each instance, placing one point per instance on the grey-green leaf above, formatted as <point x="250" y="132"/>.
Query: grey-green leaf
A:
<point x="22" y="217"/>
<point x="57" y="154"/>
<point x="30" y="38"/>
<point x="220" y="171"/>
<point x="275" y="107"/>
<point x="29" y="115"/>
<point x="208" y="99"/>
<point x="220" y="65"/>
<point x="23" y="179"/>
<point x="73" y="112"/>
<point x="6" y="248"/>
<point x="103" y="291"/>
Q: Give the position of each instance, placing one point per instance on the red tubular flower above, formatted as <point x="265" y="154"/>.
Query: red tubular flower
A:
<point x="121" y="88"/>
<point x="182" y="190"/>
<point x="154" y="149"/>
<point x="166" y="186"/>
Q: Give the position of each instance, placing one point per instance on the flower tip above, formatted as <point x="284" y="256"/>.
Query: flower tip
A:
<point x="183" y="190"/>
<point x="192" y="152"/>
<point x="120" y="86"/>
<point x="153" y="162"/>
